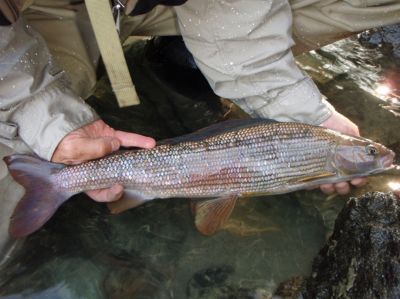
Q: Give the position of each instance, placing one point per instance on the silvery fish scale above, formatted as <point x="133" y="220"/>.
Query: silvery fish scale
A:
<point x="257" y="159"/>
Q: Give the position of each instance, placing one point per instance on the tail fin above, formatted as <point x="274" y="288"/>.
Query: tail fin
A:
<point x="41" y="198"/>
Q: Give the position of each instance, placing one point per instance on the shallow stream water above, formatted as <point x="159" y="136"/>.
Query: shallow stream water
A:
<point x="154" y="251"/>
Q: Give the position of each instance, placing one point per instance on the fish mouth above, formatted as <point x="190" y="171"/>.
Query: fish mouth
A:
<point x="386" y="163"/>
<point x="387" y="160"/>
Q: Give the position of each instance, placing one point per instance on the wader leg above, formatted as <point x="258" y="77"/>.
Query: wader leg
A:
<point x="68" y="34"/>
<point x="11" y="192"/>
<point x="70" y="38"/>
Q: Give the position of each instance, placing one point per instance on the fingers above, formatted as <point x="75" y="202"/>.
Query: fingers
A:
<point x="107" y="195"/>
<point x="96" y="140"/>
<point x="100" y="129"/>
<point x="342" y="188"/>
<point x="134" y="140"/>
<point x="358" y="182"/>
<point x="327" y="188"/>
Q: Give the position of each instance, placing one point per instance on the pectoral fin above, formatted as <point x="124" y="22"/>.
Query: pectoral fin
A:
<point x="211" y="214"/>
<point x="129" y="200"/>
<point x="312" y="177"/>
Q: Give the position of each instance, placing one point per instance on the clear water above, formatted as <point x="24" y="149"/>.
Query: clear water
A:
<point x="154" y="251"/>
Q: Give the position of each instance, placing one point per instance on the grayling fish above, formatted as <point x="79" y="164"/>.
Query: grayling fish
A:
<point x="222" y="162"/>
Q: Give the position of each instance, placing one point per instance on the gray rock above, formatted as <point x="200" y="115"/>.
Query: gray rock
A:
<point x="387" y="36"/>
<point x="362" y="257"/>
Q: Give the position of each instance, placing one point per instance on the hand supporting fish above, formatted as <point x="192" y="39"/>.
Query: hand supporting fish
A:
<point x="341" y="123"/>
<point x="223" y="162"/>
<point x="93" y="141"/>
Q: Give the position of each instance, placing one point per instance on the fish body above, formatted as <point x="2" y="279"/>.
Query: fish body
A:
<point x="265" y="158"/>
<point x="228" y="160"/>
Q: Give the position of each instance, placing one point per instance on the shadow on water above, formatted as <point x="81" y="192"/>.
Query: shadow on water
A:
<point x="154" y="251"/>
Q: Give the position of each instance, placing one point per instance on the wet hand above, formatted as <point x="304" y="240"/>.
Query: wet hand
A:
<point x="93" y="141"/>
<point x="342" y="124"/>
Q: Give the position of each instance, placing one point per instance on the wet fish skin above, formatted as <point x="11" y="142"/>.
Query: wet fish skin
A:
<point x="264" y="158"/>
<point x="228" y="160"/>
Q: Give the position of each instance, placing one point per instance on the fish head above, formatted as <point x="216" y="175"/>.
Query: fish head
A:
<point x="360" y="156"/>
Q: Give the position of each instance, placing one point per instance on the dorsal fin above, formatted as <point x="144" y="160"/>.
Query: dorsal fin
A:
<point x="216" y="129"/>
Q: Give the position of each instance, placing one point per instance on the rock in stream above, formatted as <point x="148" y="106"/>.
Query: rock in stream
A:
<point x="362" y="257"/>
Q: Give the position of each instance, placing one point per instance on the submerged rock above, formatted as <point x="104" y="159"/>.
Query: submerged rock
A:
<point x="361" y="259"/>
<point x="290" y="289"/>
<point x="213" y="282"/>
<point x="387" y="36"/>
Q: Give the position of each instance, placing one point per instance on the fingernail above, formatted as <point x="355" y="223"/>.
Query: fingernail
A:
<point x="150" y="143"/>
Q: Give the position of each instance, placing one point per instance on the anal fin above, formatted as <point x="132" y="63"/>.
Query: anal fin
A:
<point x="211" y="214"/>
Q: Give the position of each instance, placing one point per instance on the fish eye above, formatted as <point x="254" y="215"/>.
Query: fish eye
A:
<point x="371" y="150"/>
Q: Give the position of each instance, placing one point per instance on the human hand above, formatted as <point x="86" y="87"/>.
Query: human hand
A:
<point x="342" y="124"/>
<point x="93" y="141"/>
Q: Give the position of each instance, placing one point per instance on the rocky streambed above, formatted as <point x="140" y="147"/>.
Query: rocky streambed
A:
<point x="362" y="257"/>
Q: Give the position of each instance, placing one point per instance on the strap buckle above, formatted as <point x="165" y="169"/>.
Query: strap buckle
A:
<point x="116" y="11"/>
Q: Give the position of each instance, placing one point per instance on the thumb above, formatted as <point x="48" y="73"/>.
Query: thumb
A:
<point x="136" y="140"/>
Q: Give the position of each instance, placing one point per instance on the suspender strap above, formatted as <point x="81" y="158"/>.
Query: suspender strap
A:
<point x="111" y="50"/>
